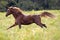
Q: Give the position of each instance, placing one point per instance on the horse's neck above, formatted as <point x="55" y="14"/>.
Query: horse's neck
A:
<point x="17" y="14"/>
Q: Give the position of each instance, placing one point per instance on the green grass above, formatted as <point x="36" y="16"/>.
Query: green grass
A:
<point x="32" y="31"/>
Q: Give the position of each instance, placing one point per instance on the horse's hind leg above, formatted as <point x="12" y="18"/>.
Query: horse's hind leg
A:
<point x="44" y="25"/>
<point x="37" y="20"/>
<point x="40" y="24"/>
<point x="12" y="26"/>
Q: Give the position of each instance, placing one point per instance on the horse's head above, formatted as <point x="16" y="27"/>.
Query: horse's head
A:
<point x="12" y="10"/>
<point x="9" y="11"/>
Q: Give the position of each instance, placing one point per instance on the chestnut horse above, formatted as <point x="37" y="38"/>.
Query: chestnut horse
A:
<point x="21" y="19"/>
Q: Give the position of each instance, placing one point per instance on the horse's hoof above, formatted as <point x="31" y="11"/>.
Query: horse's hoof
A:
<point x="44" y="25"/>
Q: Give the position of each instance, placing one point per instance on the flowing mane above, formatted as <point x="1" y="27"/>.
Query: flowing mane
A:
<point x="16" y="8"/>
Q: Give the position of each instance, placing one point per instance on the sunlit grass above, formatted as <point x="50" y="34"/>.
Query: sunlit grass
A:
<point x="32" y="31"/>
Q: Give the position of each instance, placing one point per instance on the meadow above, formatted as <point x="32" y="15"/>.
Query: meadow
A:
<point x="32" y="31"/>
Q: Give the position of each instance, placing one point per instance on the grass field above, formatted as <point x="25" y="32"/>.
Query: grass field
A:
<point x="32" y="31"/>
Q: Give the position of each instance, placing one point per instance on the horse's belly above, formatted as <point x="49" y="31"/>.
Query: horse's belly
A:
<point x="26" y="22"/>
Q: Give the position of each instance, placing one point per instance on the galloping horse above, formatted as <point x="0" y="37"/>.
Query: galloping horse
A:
<point x="21" y="19"/>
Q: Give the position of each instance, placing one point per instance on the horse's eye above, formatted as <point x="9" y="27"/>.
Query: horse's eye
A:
<point x="8" y="10"/>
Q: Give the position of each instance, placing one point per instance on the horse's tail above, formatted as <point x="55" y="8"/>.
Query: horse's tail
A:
<point x="44" y="14"/>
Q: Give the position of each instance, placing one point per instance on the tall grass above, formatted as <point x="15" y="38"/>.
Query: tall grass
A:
<point x="32" y="31"/>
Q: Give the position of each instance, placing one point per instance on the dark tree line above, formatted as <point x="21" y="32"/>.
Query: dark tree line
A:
<point x="30" y="4"/>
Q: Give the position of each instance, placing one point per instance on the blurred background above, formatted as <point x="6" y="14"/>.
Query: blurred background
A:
<point x="30" y="4"/>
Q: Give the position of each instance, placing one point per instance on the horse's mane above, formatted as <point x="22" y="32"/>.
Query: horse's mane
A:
<point x="16" y="8"/>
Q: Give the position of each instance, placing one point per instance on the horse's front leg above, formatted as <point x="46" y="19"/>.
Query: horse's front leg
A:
<point x="18" y="21"/>
<point x="12" y="26"/>
<point x="19" y="25"/>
